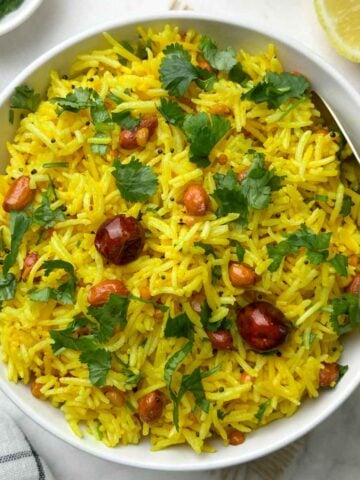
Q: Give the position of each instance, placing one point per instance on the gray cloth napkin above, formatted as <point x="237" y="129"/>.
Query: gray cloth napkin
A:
<point x="18" y="460"/>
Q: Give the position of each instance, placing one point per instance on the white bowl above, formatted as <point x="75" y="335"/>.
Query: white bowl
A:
<point x="344" y="100"/>
<point x="18" y="16"/>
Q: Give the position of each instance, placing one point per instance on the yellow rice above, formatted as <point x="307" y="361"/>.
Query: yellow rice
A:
<point x="170" y="265"/>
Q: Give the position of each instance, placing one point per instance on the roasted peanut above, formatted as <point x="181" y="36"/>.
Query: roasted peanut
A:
<point x="196" y="200"/>
<point x="222" y="159"/>
<point x="142" y="136"/>
<point x="19" y="194"/>
<point x="219" y="109"/>
<point x="128" y="139"/>
<point x="99" y="293"/>
<point x="236" y="438"/>
<point x="329" y="375"/>
<point x="221" y="339"/>
<point x="197" y="300"/>
<point x="241" y="275"/>
<point x="115" y="396"/>
<point x="30" y="260"/>
<point x="151" y="406"/>
<point x="242" y="174"/>
<point x="245" y="377"/>
<point x="36" y="389"/>
<point x="354" y="285"/>
<point x="150" y="123"/>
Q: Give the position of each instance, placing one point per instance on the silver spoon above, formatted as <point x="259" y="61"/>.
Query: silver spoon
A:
<point x="331" y="120"/>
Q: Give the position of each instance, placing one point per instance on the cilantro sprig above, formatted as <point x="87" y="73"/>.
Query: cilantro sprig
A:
<point x="254" y="191"/>
<point x="135" y="181"/>
<point x="179" y="326"/>
<point x="218" y="59"/>
<point x="44" y="215"/>
<point x="19" y="225"/>
<point x="65" y="292"/>
<point x="277" y="88"/>
<point x="345" y="313"/>
<point x="24" y="98"/>
<point x="177" y="72"/>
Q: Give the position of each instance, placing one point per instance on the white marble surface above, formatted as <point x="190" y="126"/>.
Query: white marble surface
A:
<point x="331" y="451"/>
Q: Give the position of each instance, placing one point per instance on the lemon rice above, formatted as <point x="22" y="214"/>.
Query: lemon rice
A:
<point x="242" y="388"/>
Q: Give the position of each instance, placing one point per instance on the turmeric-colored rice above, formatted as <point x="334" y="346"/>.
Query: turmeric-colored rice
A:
<point x="171" y="267"/>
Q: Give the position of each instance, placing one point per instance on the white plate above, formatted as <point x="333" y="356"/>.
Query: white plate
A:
<point x="18" y="16"/>
<point x="344" y="100"/>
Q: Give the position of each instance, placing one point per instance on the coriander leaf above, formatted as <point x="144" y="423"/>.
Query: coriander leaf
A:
<point x="25" y="98"/>
<point x="132" y="377"/>
<point x="174" y="361"/>
<point x="340" y="263"/>
<point x="159" y="306"/>
<point x="114" y="98"/>
<point x="56" y="165"/>
<point x="44" y="215"/>
<point x="262" y="409"/>
<point x="176" y="70"/>
<point x="98" y="109"/>
<point x="179" y="326"/>
<point x="240" y="251"/>
<point x="204" y="132"/>
<point x="65" y="293"/>
<point x="277" y="88"/>
<point x="19" y="225"/>
<point x="321" y="198"/>
<point x="65" y="339"/>
<point x="136" y="182"/>
<point x="345" y="314"/>
<point x="206" y="79"/>
<point x="172" y="112"/>
<point x="259" y="182"/>
<point x="215" y="274"/>
<point x="7" y="287"/>
<point x="125" y="120"/>
<point x="205" y="315"/>
<point x="218" y="59"/>
<point x="230" y="197"/>
<point x="110" y="315"/>
<point x="99" y="364"/>
<point x="208" y="249"/>
<point x="316" y="244"/>
<point x="237" y="75"/>
<point x="99" y="148"/>
<point x="79" y="99"/>
<point x="342" y="370"/>
<point x="346" y="206"/>
<point x="278" y="252"/>
<point x="142" y="47"/>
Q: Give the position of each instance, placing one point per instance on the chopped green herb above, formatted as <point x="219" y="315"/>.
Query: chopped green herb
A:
<point x="114" y="98"/>
<point x="2" y="240"/>
<point x="316" y="244"/>
<point x="277" y="88"/>
<point x="110" y="315"/>
<point x="172" y="112"/>
<point x="340" y="264"/>
<point x="7" y="6"/>
<point x="345" y="315"/>
<point x="7" y="287"/>
<point x="205" y="315"/>
<point x="321" y="198"/>
<point x="19" y="225"/>
<point x="346" y="206"/>
<point x="99" y="148"/>
<point x="99" y="364"/>
<point x="176" y="70"/>
<point x="65" y="293"/>
<point x="240" y="252"/>
<point x="342" y="370"/>
<point x="44" y="215"/>
<point x="230" y="197"/>
<point x="125" y="120"/>
<point x="56" y="165"/>
<point x="237" y="74"/>
<point x="179" y="326"/>
<point x="136" y="182"/>
<point x="204" y="132"/>
<point x="215" y="274"/>
<point x="262" y="409"/>
<point x="218" y="59"/>
<point x="208" y="249"/>
<point x="25" y="98"/>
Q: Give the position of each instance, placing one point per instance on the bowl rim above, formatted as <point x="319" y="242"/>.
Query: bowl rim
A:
<point x="18" y="16"/>
<point x="135" y="20"/>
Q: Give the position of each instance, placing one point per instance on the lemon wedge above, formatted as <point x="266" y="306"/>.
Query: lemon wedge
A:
<point x="341" y="22"/>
